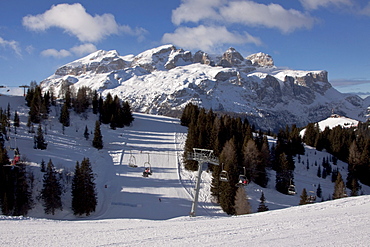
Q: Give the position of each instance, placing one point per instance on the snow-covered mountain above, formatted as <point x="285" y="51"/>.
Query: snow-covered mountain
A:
<point x="164" y="79"/>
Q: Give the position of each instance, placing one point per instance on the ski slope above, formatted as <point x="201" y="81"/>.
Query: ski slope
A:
<point x="134" y="210"/>
<point x="343" y="222"/>
<point x="122" y="190"/>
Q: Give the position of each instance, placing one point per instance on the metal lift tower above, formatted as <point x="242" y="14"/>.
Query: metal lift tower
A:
<point x="203" y="156"/>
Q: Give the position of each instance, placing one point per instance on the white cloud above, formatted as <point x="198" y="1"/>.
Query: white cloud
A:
<point x="245" y="12"/>
<point x="83" y="49"/>
<point x="250" y="13"/>
<point x="315" y="4"/>
<point x="196" y="10"/>
<point x="207" y="38"/>
<point x="74" y="19"/>
<point x="30" y="49"/>
<point x="365" y="10"/>
<point x="55" y="53"/>
<point x="76" y="50"/>
<point x="11" y="44"/>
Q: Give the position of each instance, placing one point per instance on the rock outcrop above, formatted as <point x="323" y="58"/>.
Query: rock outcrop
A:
<point x="261" y="59"/>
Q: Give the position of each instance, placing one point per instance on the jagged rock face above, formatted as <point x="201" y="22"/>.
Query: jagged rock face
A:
<point x="178" y="58"/>
<point x="231" y="58"/>
<point x="311" y="80"/>
<point x="99" y="62"/>
<point x="261" y="59"/>
<point x="202" y="58"/>
<point x="153" y="59"/>
<point x="163" y="80"/>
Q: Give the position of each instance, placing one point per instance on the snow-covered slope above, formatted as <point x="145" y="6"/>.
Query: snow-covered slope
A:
<point x="159" y="140"/>
<point x="343" y="222"/>
<point x="164" y="79"/>
<point x="133" y="210"/>
<point x="334" y="120"/>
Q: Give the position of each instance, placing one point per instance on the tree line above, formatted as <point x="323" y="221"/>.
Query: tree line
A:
<point x="351" y="145"/>
<point x="110" y="111"/>
<point x="16" y="181"/>
<point x="241" y="151"/>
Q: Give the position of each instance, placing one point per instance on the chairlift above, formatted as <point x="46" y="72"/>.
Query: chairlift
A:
<point x="132" y="161"/>
<point x="243" y="181"/>
<point x="312" y="197"/>
<point x="291" y="190"/>
<point x="15" y="160"/>
<point x="224" y="176"/>
<point x="148" y="168"/>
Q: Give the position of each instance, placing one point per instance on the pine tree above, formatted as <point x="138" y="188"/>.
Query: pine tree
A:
<point x="84" y="197"/>
<point x="91" y="199"/>
<point x="39" y="139"/>
<point x="355" y="187"/>
<point x="228" y="189"/>
<point x="16" y="119"/>
<point x="35" y="107"/>
<point x="127" y="114"/>
<point x="339" y="188"/>
<point x="354" y="163"/>
<point x="190" y="143"/>
<point x="107" y="109"/>
<point x="15" y="191"/>
<point x="319" y="171"/>
<point x="311" y="134"/>
<point x="284" y="173"/>
<point x="64" y="118"/>
<point x="242" y="205"/>
<point x="77" y="191"/>
<point x="190" y="112"/>
<point x="262" y="207"/>
<point x="43" y="166"/>
<point x="95" y="102"/>
<point x="319" y="191"/>
<point x="304" y="197"/>
<point x="81" y="103"/>
<point x="23" y="195"/>
<point x="98" y="138"/>
<point x="86" y="133"/>
<point x="52" y="190"/>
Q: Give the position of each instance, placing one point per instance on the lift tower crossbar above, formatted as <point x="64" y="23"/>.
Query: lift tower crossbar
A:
<point x="202" y="156"/>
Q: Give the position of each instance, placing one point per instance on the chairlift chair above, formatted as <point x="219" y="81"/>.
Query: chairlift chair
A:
<point x="224" y="176"/>
<point x="148" y="167"/>
<point x="132" y="161"/>
<point x="291" y="190"/>
<point x="312" y="197"/>
<point x="243" y="181"/>
<point x="15" y="160"/>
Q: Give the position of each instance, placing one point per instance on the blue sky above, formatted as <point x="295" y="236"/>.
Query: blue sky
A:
<point x="36" y="37"/>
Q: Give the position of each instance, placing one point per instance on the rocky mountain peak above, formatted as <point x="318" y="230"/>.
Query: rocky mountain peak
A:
<point x="97" y="62"/>
<point x="231" y="58"/>
<point x="165" y="57"/>
<point x="261" y="60"/>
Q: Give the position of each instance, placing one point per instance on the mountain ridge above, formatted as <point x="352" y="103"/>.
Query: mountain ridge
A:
<point x="164" y="79"/>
